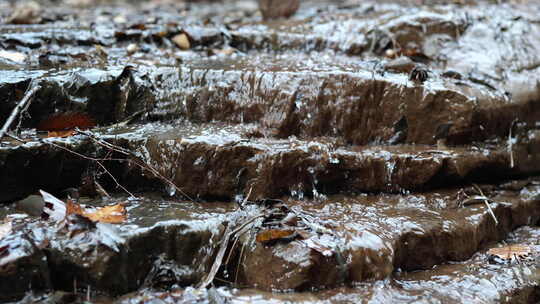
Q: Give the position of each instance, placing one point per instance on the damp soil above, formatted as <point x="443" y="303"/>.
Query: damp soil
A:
<point x="354" y="152"/>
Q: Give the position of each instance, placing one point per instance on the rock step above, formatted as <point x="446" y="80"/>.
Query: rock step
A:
<point x="304" y="95"/>
<point x="105" y="95"/>
<point x="372" y="236"/>
<point x="341" y="100"/>
<point x="171" y="242"/>
<point x="161" y="240"/>
<point x="465" y="282"/>
<point x="327" y="95"/>
<point x="295" y="94"/>
<point x="367" y="28"/>
<point x="219" y="162"/>
<point x="213" y="161"/>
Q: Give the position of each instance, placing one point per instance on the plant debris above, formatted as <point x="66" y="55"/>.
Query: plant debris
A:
<point x="5" y="228"/>
<point x="66" y="133"/>
<point x="114" y="214"/>
<point x="272" y="235"/>
<point x="66" y="122"/>
<point x="59" y="211"/>
<point x="517" y="252"/>
<point x="510" y="251"/>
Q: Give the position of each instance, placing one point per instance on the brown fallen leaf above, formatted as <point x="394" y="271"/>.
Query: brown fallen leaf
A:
<point x="66" y="121"/>
<point x="512" y="251"/>
<point x="275" y="235"/>
<point x="72" y="208"/>
<point x="66" y="133"/>
<point x="114" y="214"/>
<point x="58" y="211"/>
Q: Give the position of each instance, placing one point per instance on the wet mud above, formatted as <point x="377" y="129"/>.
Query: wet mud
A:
<point x="339" y="152"/>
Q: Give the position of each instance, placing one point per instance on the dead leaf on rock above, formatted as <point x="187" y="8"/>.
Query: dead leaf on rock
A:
<point x="511" y="252"/>
<point x="72" y="208"/>
<point x="58" y="210"/>
<point x="54" y="208"/>
<point x="114" y="214"/>
<point x="66" y="121"/>
<point x="66" y="133"/>
<point x="270" y="235"/>
<point x="5" y="229"/>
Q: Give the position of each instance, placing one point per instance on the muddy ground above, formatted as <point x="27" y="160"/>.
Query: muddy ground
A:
<point x="356" y="152"/>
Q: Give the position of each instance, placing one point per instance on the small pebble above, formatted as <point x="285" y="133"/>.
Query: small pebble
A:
<point x="132" y="48"/>
<point x="182" y="41"/>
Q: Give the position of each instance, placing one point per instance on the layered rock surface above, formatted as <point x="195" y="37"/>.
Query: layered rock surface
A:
<point x="384" y="181"/>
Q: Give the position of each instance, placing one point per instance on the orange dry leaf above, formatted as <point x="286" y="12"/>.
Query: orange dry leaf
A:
<point x="510" y="252"/>
<point x="273" y="235"/>
<point x="66" y="133"/>
<point x="66" y="121"/>
<point x="115" y="214"/>
<point x="72" y="208"/>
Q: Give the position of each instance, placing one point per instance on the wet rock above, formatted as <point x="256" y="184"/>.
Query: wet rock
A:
<point x="28" y="167"/>
<point x="220" y="161"/>
<point x="217" y="161"/>
<point x="26" y="13"/>
<point x="31" y="205"/>
<point x="289" y="113"/>
<point x="23" y="267"/>
<point x="105" y="95"/>
<point x="272" y="9"/>
<point x="156" y="233"/>
<point x="182" y="41"/>
<point x="400" y="65"/>
<point x="279" y="94"/>
<point x="450" y="283"/>
<point x="374" y="235"/>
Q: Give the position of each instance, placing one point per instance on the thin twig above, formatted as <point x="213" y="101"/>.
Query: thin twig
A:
<point x="98" y="161"/>
<point x="136" y="160"/>
<point x="240" y="261"/>
<point x="114" y="179"/>
<point x="82" y="155"/>
<point x="18" y="108"/>
<point x="221" y="253"/>
<point x="486" y="201"/>
<point x="217" y="262"/>
<point x="511" y="143"/>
